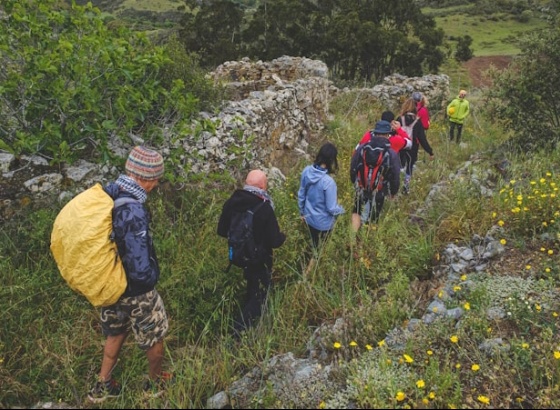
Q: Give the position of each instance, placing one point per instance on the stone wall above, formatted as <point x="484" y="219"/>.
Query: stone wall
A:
<point x="277" y="108"/>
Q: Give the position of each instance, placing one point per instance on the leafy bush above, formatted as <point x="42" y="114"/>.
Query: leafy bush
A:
<point x="69" y="83"/>
<point x="522" y="98"/>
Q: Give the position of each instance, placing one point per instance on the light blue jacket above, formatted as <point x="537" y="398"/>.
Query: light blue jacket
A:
<point x="317" y="198"/>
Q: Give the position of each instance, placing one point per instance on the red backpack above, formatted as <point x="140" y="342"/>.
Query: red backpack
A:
<point x="368" y="163"/>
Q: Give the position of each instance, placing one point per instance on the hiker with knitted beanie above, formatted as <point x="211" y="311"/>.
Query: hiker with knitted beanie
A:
<point x="140" y="309"/>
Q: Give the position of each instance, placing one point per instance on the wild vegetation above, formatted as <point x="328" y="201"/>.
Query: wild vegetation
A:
<point x="50" y="342"/>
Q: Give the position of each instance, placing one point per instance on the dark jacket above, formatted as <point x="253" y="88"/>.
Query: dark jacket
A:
<point x="418" y="136"/>
<point x="266" y="229"/>
<point x="131" y="223"/>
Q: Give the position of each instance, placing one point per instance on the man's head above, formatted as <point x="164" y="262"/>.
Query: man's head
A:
<point x="144" y="165"/>
<point x="382" y="128"/>
<point x="387" y="116"/>
<point x="257" y="179"/>
<point x="462" y="94"/>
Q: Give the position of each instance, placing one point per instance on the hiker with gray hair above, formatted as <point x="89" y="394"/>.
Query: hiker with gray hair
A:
<point x="266" y="232"/>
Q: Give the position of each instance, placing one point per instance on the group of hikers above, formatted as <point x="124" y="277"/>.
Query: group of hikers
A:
<point x="141" y="310"/>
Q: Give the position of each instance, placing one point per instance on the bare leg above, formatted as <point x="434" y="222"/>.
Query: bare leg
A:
<point x="155" y="359"/>
<point x="356" y="222"/>
<point x="111" y="352"/>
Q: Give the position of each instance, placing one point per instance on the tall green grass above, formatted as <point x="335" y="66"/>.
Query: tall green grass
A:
<point x="51" y="345"/>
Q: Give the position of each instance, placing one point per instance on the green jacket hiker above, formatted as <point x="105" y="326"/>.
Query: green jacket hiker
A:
<point x="457" y="111"/>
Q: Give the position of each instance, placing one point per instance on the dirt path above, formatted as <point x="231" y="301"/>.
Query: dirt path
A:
<point x="477" y="65"/>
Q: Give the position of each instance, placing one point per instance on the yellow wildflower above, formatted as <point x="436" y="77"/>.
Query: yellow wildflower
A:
<point x="467" y="306"/>
<point x="458" y="366"/>
<point x="407" y="358"/>
<point x="557" y="355"/>
<point x="525" y="345"/>
<point x="463" y="277"/>
<point x="432" y="395"/>
<point x="322" y="405"/>
<point x="501" y="223"/>
<point x="550" y="252"/>
<point x="503" y="241"/>
<point x="454" y="339"/>
<point x="420" y="384"/>
<point x="483" y="399"/>
<point x="400" y="396"/>
<point x="381" y="343"/>
<point x="528" y="267"/>
<point x="368" y="347"/>
<point x="475" y="368"/>
<point x="337" y="345"/>
<point x="353" y="343"/>
<point x="429" y="353"/>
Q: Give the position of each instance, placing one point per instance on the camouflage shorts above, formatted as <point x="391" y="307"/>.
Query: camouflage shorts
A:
<point x="144" y="314"/>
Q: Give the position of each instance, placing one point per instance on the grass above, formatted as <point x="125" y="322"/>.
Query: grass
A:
<point x="51" y="344"/>
<point x="492" y="35"/>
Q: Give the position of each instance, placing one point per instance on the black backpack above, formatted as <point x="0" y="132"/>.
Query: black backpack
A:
<point x="368" y="163"/>
<point x="243" y="251"/>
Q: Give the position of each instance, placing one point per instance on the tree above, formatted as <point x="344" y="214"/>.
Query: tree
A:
<point x="68" y="83"/>
<point x="464" y="52"/>
<point x="357" y="39"/>
<point x="524" y="98"/>
<point x="282" y="27"/>
<point x="212" y="30"/>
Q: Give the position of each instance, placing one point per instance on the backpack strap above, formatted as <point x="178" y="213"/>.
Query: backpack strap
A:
<point x="123" y="201"/>
<point x="257" y="207"/>
<point x="116" y="204"/>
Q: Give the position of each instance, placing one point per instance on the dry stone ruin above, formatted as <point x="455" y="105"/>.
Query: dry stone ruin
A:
<point x="276" y="108"/>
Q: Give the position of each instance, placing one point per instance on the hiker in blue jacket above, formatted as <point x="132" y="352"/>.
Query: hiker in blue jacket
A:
<point x="140" y="309"/>
<point x="317" y="194"/>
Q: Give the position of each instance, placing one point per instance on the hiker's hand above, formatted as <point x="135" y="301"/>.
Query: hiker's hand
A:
<point x="432" y="157"/>
<point x="395" y="125"/>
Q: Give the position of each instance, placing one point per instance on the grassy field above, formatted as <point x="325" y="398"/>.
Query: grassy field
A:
<point x="491" y="36"/>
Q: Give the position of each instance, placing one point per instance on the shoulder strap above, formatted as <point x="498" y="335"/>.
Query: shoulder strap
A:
<point x="254" y="209"/>
<point x="123" y="201"/>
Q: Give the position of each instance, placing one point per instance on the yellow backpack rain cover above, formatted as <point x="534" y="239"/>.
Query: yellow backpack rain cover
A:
<point x="86" y="257"/>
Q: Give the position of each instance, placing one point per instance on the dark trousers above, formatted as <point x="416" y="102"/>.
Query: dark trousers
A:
<point x="317" y="236"/>
<point x="370" y="206"/>
<point x="259" y="281"/>
<point x="452" y="126"/>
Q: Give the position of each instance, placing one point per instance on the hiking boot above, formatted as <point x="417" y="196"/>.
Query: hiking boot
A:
<point x="104" y="390"/>
<point x="405" y="189"/>
<point x="155" y="388"/>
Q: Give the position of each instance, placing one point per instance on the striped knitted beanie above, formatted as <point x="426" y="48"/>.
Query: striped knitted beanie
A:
<point x="144" y="163"/>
